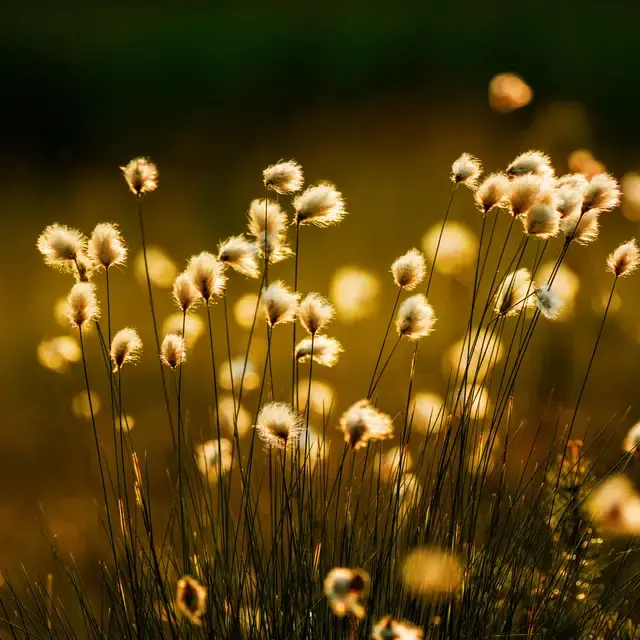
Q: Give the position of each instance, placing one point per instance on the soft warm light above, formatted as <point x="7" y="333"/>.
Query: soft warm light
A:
<point x="508" y="92"/>
<point x="457" y="250"/>
<point x="244" y="310"/>
<point x="354" y="292"/>
<point x="162" y="269"/>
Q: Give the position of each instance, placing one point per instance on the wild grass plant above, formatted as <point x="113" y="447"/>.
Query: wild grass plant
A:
<point x="281" y="530"/>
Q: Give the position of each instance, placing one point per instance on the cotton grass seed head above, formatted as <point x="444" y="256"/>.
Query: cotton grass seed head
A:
<point x="415" y="318"/>
<point x="315" y="313"/>
<point x="526" y="190"/>
<point x="241" y="255"/>
<point x="346" y="590"/>
<point x="466" y="170"/>
<point x="581" y="228"/>
<point x="278" y="425"/>
<point x="326" y="351"/>
<point x="548" y="302"/>
<point x="172" y="351"/>
<point x="82" y="305"/>
<point x="390" y="629"/>
<point x="60" y="245"/>
<point x="207" y="275"/>
<point x="531" y="162"/>
<point x="602" y="193"/>
<point x="541" y="221"/>
<point x="141" y="176"/>
<point x="279" y="303"/>
<point x="82" y="268"/>
<point x="125" y="347"/>
<point x="362" y="423"/>
<point x="569" y="193"/>
<point x="283" y="177"/>
<point x="429" y="572"/>
<point x="185" y="294"/>
<point x="513" y="295"/>
<point x="106" y="246"/>
<point x="321" y="205"/>
<point x="265" y="215"/>
<point x="631" y="441"/>
<point x="276" y="246"/>
<point x="624" y="260"/>
<point x="492" y="192"/>
<point x="409" y="270"/>
<point x="191" y="599"/>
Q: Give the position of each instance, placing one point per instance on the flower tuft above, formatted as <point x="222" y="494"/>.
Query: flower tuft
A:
<point x="624" y="260"/>
<point x="315" y="313"/>
<point x="409" y="270"/>
<point x="60" y="246"/>
<point x="185" y="294"/>
<point x="548" y="302"/>
<point x="207" y="275"/>
<point x="82" y="305"/>
<point x="141" y="176"/>
<point x="326" y="351"/>
<point x="280" y="303"/>
<point x="106" y="246"/>
<point x="322" y="205"/>
<point x="602" y="193"/>
<point x="527" y="190"/>
<point x="240" y="254"/>
<point x="362" y="423"/>
<point x="531" y="162"/>
<point x="278" y="425"/>
<point x="514" y="293"/>
<point x="415" y="318"/>
<point x="125" y="347"/>
<point x="466" y="170"/>
<point x="541" y="221"/>
<point x="492" y="192"/>
<point x="569" y="193"/>
<point x="172" y="351"/>
<point x="283" y="177"/>
<point x="581" y="228"/>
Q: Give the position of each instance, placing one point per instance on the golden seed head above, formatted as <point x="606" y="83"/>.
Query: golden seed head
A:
<point x="241" y="255"/>
<point x="125" y="347"/>
<point x="602" y="193"/>
<point x="531" y="162"/>
<point x="172" y="351"/>
<point x="207" y="275"/>
<point x="321" y="205"/>
<point x="362" y="423"/>
<point x="581" y="228"/>
<point x="61" y="245"/>
<point x="280" y="303"/>
<point x="326" y="351"/>
<point x="82" y="305"/>
<point x="283" y="177"/>
<point x="492" y="192"/>
<point x="548" y="302"/>
<point x="541" y="221"/>
<point x="415" y="318"/>
<point x="513" y="295"/>
<point x="466" y="170"/>
<point x="185" y="294"/>
<point x="315" y="313"/>
<point x="106" y="246"/>
<point x="527" y="190"/>
<point x="624" y="260"/>
<point x="409" y="270"/>
<point x="278" y="425"/>
<point x="141" y="176"/>
<point x="266" y="215"/>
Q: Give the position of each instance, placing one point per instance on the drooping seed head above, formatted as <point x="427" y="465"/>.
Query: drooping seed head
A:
<point x="466" y="170"/>
<point x="241" y="255"/>
<point x="283" y="177"/>
<point x="60" y="246"/>
<point x="389" y="629"/>
<point x="548" y="302"/>
<point x="185" y="294"/>
<point x="624" y="260"/>
<point x="82" y="305"/>
<point x="106" y="246"/>
<point x="492" y="192"/>
<point x="191" y="599"/>
<point x="513" y="295"/>
<point x="125" y="347"/>
<point x="527" y="190"/>
<point x="326" y="351"/>
<point x="415" y="318"/>
<point x="315" y="313"/>
<point x="278" y="425"/>
<point x="541" y="221"/>
<point x="207" y="275"/>
<point x="280" y="303"/>
<point x="346" y="590"/>
<point x="362" y="423"/>
<point x="531" y="162"/>
<point x="581" y="228"/>
<point x="141" y="176"/>
<point x="172" y="351"/>
<point x="409" y="270"/>
<point x="321" y="205"/>
<point x="602" y="193"/>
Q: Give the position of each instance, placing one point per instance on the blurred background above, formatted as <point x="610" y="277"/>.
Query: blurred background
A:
<point x="378" y="102"/>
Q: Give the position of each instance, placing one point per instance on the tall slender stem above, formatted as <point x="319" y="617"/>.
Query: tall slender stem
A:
<point x="185" y="550"/>
<point x="294" y="362"/>
<point x="444" y="222"/>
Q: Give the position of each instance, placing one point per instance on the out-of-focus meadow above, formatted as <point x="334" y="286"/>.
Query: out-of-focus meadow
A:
<point x="379" y="104"/>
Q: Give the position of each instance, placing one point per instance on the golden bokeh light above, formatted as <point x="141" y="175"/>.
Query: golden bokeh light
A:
<point x="162" y="269"/>
<point x="457" y="250"/>
<point x="354" y="292"/>
<point x="508" y="92"/>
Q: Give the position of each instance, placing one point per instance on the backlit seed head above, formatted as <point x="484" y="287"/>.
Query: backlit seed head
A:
<point x="60" y="245"/>
<point x="278" y="425"/>
<point x="569" y="192"/>
<point x="466" y="170"/>
<point x="277" y="247"/>
<point x="624" y="260"/>
<point x="548" y="302"/>
<point x="191" y="599"/>
<point x="283" y="177"/>
<point x="415" y="318"/>
<point x="527" y="190"/>
<point x="82" y="305"/>
<point x="362" y="423"/>
<point x="513" y="295"/>
<point x="82" y="268"/>
<point x="185" y="294"/>
<point x="106" y="246"/>
<point x="541" y="221"/>
<point x="125" y="347"/>
<point x="326" y="351"/>
<point x="315" y="313"/>
<point x="346" y="590"/>
<point x="241" y="255"/>
<point x="279" y="303"/>
<point x="531" y="162"/>
<point x="141" y="176"/>
<point x="602" y="193"/>
<point x="581" y="228"/>
<point x="321" y="205"/>
<point x="172" y="351"/>
<point x="409" y="270"/>
<point x="265" y="215"/>
<point x="492" y="192"/>
<point x="207" y="275"/>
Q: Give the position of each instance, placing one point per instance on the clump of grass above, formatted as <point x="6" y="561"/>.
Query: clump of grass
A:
<point x="282" y="530"/>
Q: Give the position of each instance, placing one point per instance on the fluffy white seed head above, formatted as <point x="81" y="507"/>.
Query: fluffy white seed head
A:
<point x="283" y="177"/>
<point x="315" y="313"/>
<point x="415" y="318"/>
<point x="125" y="347"/>
<point x="569" y="192"/>
<point x="185" y="294"/>
<point x="141" y="176"/>
<point x="602" y="193"/>
<point x="240" y="254"/>
<point x="541" y="221"/>
<point x="346" y="590"/>
<point x="265" y="215"/>
<point x="191" y="599"/>
<point x="581" y="228"/>
<point x="322" y="205"/>
<point x="492" y="192"/>
<point x="326" y="351"/>
<point x="106" y="246"/>
<point x="82" y="305"/>
<point x="466" y="170"/>
<point x="82" y="268"/>
<point x="362" y="423"/>
<point x="409" y="270"/>
<point x="280" y="303"/>
<point x="548" y="302"/>
<point x="278" y="425"/>
<point x="624" y="260"/>
<point x="527" y="190"/>
<point x="277" y="247"/>
<point x="389" y="629"/>
<point x="172" y="351"/>
<point x="60" y="246"/>
<point x="531" y="162"/>
<point x="207" y="275"/>
<point x="513" y="295"/>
